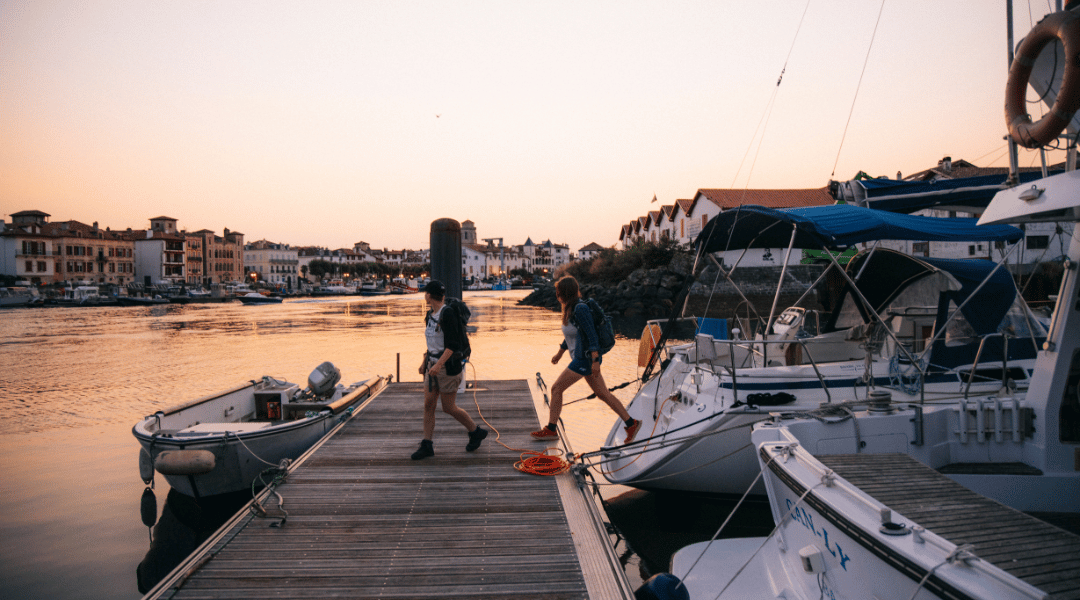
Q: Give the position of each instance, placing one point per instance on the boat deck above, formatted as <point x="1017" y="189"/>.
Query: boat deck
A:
<point x="1039" y="553"/>
<point x="366" y="521"/>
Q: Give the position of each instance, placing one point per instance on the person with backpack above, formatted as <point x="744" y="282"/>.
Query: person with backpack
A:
<point x="444" y="366"/>
<point x="581" y="338"/>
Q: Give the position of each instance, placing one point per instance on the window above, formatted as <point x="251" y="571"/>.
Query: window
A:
<point x="922" y="248"/>
<point x="971" y="250"/>
<point x="1038" y="242"/>
<point x="41" y="266"/>
<point x="29" y="266"/>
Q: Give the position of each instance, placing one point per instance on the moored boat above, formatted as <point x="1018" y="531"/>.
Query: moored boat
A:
<point x="220" y="443"/>
<point x="921" y="329"/>
<point x="257" y="298"/>
<point x="930" y="538"/>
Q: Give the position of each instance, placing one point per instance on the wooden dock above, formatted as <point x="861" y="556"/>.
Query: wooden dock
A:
<point x="366" y="521"/>
<point x="1038" y="553"/>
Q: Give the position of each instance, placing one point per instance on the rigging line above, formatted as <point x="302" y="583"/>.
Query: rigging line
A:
<point x="769" y="105"/>
<point x="858" y="85"/>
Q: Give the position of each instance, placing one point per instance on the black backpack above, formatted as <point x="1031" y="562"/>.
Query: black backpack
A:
<point x="464" y="314"/>
<point x="602" y="324"/>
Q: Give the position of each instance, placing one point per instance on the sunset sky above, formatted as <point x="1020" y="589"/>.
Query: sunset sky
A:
<point x="329" y="123"/>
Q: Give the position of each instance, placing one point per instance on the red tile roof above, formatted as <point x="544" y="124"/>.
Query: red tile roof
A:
<point x="727" y="199"/>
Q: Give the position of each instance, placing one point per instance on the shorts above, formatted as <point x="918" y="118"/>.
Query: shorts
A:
<point x="584" y="366"/>
<point x="443" y="383"/>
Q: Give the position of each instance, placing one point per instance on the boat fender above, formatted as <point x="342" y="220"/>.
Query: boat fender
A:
<point x="148" y="507"/>
<point x="146" y="466"/>
<point x="1064" y="26"/>
<point x="662" y="586"/>
<point x="185" y="462"/>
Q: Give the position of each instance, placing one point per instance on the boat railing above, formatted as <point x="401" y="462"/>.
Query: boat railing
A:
<point x="733" y="370"/>
<point x="787" y="447"/>
<point x="978" y="356"/>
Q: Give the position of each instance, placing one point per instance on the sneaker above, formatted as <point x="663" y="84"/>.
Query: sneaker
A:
<point x="545" y="434"/>
<point x="425" y="450"/>
<point x="475" y="437"/>
<point x="631" y="431"/>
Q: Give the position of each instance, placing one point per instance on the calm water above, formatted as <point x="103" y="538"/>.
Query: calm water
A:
<point x="73" y="381"/>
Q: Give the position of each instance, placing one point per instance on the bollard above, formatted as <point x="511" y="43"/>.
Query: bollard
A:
<point x="446" y="255"/>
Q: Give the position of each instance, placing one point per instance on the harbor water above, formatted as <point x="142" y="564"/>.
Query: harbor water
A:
<point x="74" y="380"/>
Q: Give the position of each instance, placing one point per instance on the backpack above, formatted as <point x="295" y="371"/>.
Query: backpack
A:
<point x="464" y="314"/>
<point x="605" y="333"/>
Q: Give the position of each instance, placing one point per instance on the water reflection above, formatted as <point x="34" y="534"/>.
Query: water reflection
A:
<point x="185" y="523"/>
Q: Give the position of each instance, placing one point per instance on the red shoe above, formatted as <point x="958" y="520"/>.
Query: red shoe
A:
<point x="545" y="434"/>
<point x="632" y="430"/>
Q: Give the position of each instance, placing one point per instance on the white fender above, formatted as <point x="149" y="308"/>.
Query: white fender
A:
<point x="185" y="462"/>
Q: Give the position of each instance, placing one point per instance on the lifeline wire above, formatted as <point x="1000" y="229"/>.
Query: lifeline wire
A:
<point x="857" y="86"/>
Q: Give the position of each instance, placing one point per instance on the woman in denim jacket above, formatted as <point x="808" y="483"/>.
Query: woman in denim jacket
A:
<point x="579" y="336"/>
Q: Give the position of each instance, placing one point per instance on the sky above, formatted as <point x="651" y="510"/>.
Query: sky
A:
<point x="329" y="123"/>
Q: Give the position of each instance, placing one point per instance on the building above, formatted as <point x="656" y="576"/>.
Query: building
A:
<point x="590" y="250"/>
<point x="159" y="253"/>
<point x="40" y="252"/>
<point x="272" y="263"/>
<point x="684" y="220"/>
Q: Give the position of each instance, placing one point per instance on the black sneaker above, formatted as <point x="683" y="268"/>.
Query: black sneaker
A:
<point x="475" y="437"/>
<point x="425" y="450"/>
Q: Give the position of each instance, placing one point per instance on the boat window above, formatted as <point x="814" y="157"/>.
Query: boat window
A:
<point x="849" y="315"/>
<point x="959" y="332"/>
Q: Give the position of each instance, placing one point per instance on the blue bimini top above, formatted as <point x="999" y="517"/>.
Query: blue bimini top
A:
<point x="837" y="226"/>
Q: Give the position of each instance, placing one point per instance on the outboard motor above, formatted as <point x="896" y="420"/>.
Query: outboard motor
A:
<point x="323" y="379"/>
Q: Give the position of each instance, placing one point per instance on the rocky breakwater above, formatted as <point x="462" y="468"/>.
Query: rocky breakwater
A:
<point x="651" y="293"/>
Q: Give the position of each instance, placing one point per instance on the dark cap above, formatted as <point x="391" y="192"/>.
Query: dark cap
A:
<point x="435" y="288"/>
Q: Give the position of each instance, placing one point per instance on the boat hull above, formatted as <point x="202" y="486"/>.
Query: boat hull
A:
<point x="242" y="448"/>
<point x="695" y="433"/>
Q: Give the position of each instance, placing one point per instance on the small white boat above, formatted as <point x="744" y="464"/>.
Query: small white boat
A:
<point x="835" y="540"/>
<point x="257" y="298"/>
<point x="222" y="442"/>
<point x="17" y="296"/>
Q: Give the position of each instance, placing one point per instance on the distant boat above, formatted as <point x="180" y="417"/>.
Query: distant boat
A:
<point x="16" y="296"/>
<point x="257" y="298"/>
<point x="222" y="442"/>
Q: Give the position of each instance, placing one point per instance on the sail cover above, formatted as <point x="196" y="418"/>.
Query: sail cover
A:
<point x="837" y="226"/>
<point x="971" y="194"/>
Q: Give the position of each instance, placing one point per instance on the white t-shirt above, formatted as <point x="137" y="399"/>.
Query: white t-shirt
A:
<point x="570" y="334"/>
<point x="436" y="339"/>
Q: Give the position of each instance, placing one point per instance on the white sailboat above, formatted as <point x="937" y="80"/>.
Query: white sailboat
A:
<point x="923" y="330"/>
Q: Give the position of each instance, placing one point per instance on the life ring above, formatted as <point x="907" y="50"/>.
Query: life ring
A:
<point x="1064" y="26"/>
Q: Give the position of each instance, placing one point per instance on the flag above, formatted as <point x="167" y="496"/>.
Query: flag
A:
<point x="653" y="198"/>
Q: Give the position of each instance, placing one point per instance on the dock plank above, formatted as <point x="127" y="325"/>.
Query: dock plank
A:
<point x="1041" y="554"/>
<point x="366" y="521"/>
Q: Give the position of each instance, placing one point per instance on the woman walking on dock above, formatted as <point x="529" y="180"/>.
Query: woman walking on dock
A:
<point x="443" y="369"/>
<point x="580" y="337"/>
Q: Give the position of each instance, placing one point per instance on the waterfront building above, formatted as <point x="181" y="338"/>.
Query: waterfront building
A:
<point x="220" y="258"/>
<point x="159" y="253"/>
<point x="590" y="250"/>
<point x="40" y="252"/>
<point x="272" y="263"/>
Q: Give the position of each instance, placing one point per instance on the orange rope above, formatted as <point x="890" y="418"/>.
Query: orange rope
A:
<point x="532" y="461"/>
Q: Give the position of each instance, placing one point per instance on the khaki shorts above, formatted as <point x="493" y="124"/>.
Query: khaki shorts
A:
<point x="443" y="383"/>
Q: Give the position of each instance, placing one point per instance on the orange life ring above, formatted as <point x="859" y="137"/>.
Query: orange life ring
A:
<point x="1064" y="26"/>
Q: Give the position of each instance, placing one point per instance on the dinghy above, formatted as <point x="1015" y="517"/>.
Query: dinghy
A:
<point x="222" y="442"/>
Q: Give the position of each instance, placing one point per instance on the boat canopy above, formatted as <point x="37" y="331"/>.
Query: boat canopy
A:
<point x="967" y="193"/>
<point x="893" y="279"/>
<point x="837" y="226"/>
<point x="895" y="283"/>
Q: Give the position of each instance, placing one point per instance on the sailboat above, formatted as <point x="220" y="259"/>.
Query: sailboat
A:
<point x="918" y="329"/>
